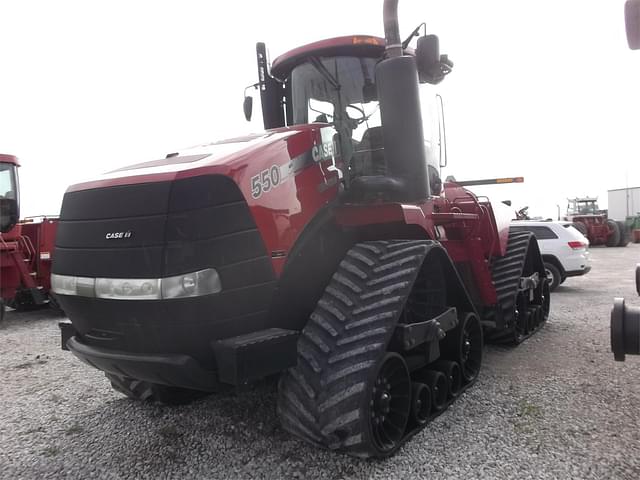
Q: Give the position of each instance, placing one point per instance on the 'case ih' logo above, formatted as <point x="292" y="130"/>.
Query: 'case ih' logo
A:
<point x="115" y="235"/>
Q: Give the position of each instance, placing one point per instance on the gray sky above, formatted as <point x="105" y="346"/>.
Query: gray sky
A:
<point x="544" y="89"/>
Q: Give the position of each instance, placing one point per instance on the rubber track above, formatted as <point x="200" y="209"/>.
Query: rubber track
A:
<point x="321" y="399"/>
<point x="506" y="272"/>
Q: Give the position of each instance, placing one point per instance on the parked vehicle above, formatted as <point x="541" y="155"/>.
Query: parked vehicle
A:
<point x="564" y="249"/>
<point x="594" y="223"/>
<point x="25" y="247"/>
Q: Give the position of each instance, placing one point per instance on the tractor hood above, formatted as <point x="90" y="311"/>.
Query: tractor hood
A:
<point x="225" y="157"/>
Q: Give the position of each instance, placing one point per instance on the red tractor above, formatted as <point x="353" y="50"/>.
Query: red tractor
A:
<point x="594" y="224"/>
<point x="25" y="247"/>
<point x="326" y="249"/>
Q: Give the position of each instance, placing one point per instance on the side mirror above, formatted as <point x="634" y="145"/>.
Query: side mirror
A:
<point x="9" y="214"/>
<point x="632" y="21"/>
<point x="247" y="106"/>
<point x="432" y="67"/>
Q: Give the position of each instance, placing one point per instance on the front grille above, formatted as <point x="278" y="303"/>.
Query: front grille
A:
<point x="176" y="227"/>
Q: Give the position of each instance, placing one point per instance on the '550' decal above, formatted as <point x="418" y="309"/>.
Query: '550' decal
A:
<point x="265" y="181"/>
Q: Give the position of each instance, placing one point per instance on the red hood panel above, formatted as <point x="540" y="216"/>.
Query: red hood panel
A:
<point x="222" y="157"/>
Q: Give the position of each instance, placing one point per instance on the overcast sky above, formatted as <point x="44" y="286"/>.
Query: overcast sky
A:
<point x="547" y="89"/>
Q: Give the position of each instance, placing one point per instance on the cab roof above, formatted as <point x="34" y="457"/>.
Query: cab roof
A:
<point x="352" y="45"/>
<point x="5" y="158"/>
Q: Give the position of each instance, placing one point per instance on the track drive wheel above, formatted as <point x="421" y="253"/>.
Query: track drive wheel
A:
<point x="153" y="392"/>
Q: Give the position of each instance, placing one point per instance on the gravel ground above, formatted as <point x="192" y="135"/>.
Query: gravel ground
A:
<point x="558" y="406"/>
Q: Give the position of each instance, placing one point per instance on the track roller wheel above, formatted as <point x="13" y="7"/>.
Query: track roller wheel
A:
<point x="439" y="386"/>
<point x="533" y="319"/>
<point x="452" y="371"/>
<point x="390" y="403"/>
<point x="420" y="403"/>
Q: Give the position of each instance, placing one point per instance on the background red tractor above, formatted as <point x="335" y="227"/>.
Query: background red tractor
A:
<point x="25" y="247"/>
<point x="593" y="223"/>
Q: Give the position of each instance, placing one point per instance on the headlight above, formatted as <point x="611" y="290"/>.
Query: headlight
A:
<point x="128" y="288"/>
<point x="195" y="284"/>
<point x="66" y="285"/>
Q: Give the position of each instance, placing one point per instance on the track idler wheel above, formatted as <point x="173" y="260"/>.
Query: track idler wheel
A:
<point x="452" y="371"/>
<point x="390" y="403"/>
<point x="420" y="403"/>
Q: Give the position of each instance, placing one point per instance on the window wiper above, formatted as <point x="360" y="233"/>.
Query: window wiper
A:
<point x="319" y="66"/>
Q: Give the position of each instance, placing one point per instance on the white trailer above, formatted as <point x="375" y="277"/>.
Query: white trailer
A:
<point x="624" y="202"/>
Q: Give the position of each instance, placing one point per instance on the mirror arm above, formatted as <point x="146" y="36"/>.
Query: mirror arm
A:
<point x="415" y="33"/>
<point x="255" y="86"/>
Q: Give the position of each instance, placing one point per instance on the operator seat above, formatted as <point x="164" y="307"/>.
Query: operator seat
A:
<point x="368" y="158"/>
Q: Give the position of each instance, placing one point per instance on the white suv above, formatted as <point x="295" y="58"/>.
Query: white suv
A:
<point x="564" y="249"/>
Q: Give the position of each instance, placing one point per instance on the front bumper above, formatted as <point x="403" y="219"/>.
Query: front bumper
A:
<point x="239" y="360"/>
<point x="166" y="369"/>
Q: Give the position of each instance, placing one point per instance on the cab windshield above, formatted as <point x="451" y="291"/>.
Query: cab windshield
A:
<point x="336" y="90"/>
<point x="582" y="207"/>
<point x="8" y="196"/>
<point x="341" y="91"/>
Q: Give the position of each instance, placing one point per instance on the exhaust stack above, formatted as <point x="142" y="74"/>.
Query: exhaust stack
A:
<point x="397" y="80"/>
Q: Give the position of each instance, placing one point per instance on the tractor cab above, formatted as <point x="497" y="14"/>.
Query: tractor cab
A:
<point x="336" y="83"/>
<point x="9" y="194"/>
<point x="583" y="206"/>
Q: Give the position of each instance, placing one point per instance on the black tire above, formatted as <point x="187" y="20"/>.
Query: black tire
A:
<point x="625" y="234"/>
<point x="153" y="392"/>
<point x="581" y="227"/>
<point x="3" y="309"/>
<point x="328" y="398"/>
<point x="553" y="275"/>
<point x="614" y="238"/>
